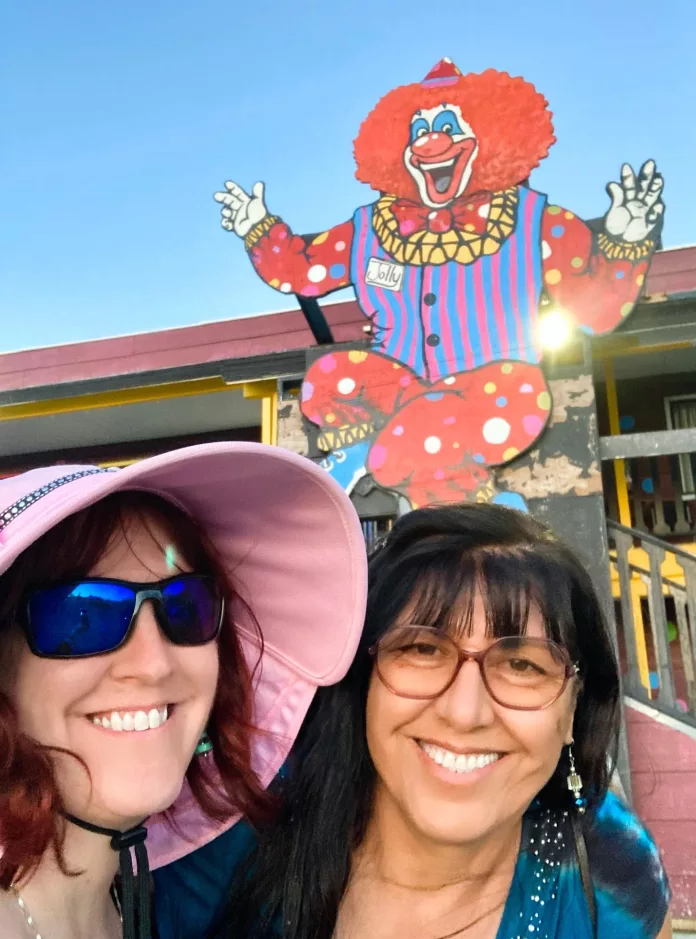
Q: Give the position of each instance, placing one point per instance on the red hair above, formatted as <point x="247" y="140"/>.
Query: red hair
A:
<point x="509" y="117"/>
<point x="30" y="800"/>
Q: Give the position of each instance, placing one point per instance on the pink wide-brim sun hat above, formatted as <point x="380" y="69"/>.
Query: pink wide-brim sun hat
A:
<point x="292" y="544"/>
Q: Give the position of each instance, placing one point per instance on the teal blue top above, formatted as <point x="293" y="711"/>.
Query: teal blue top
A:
<point x="546" y="900"/>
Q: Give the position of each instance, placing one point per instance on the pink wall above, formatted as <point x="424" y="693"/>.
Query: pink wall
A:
<point x="663" y="772"/>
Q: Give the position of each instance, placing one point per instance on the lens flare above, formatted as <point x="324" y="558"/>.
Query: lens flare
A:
<point x="555" y="329"/>
<point x="170" y="557"/>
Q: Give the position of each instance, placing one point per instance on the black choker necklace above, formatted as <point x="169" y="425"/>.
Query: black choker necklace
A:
<point x="123" y="841"/>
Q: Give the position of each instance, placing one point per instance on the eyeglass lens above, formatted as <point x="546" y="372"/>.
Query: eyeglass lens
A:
<point x="519" y="671"/>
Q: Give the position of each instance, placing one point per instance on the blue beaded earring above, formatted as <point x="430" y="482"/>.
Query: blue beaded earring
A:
<point x="574" y="783"/>
<point x="205" y="745"/>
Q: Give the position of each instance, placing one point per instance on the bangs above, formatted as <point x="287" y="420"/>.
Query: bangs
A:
<point x="439" y="566"/>
<point x="510" y="583"/>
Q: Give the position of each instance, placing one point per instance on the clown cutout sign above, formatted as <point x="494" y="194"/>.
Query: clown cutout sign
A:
<point x="457" y="265"/>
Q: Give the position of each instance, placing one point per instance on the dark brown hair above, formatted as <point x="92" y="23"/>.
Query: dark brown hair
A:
<point x="432" y="564"/>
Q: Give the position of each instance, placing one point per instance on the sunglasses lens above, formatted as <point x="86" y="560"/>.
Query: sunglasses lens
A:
<point x="192" y="607"/>
<point x="80" y="619"/>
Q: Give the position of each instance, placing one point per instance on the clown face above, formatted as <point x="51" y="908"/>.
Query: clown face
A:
<point x="440" y="154"/>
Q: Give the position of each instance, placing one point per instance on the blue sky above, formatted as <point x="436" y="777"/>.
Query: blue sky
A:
<point x="120" y="120"/>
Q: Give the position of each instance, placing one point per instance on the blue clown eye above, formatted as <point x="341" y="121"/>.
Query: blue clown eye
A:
<point x="418" y="128"/>
<point x="446" y="122"/>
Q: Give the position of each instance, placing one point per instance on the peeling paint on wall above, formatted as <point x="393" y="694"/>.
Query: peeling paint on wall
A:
<point x="557" y="475"/>
<point x="570" y="393"/>
<point x="291" y="431"/>
<point x="565" y="462"/>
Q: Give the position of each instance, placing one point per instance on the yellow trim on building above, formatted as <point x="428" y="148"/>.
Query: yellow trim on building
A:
<point x="267" y="391"/>
<point x="113" y="399"/>
<point x="260" y="389"/>
<point x="108" y="464"/>
<point x="615" y="429"/>
<point x="274" y="418"/>
<point x="671" y="569"/>
<point x="625" y="346"/>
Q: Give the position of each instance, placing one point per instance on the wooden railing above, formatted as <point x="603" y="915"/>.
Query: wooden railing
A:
<point x="374" y="529"/>
<point x="656" y="620"/>
<point x="660" y="478"/>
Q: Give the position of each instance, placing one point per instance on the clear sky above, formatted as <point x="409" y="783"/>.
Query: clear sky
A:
<point x="119" y="121"/>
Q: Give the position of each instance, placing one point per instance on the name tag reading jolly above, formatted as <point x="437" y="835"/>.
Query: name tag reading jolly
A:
<point x="385" y="274"/>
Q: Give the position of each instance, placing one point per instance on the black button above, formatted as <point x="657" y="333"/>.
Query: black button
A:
<point x="429" y="299"/>
<point x="433" y="339"/>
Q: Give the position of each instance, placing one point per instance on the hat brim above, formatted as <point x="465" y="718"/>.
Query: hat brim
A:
<point x="292" y="544"/>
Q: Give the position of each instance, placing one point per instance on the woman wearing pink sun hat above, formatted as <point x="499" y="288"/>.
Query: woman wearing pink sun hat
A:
<point x="163" y="630"/>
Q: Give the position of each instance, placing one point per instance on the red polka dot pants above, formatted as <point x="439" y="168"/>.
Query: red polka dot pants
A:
<point x="433" y="443"/>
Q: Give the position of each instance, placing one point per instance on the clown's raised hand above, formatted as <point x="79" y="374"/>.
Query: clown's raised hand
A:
<point x="241" y="211"/>
<point x="636" y="204"/>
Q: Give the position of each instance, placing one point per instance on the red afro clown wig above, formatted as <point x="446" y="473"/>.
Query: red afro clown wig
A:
<point x="511" y="121"/>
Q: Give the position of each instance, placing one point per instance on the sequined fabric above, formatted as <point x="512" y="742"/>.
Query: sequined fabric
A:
<point x="546" y="900"/>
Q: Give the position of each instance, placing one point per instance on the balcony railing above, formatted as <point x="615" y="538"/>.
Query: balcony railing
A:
<point x="656" y="619"/>
<point x="660" y="476"/>
<point x="374" y="529"/>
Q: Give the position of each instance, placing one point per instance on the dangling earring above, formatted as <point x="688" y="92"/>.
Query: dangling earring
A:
<point x="574" y="783"/>
<point x="205" y="745"/>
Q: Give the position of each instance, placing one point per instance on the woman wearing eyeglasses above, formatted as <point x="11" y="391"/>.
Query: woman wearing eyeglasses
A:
<point x="455" y="782"/>
<point x="163" y="629"/>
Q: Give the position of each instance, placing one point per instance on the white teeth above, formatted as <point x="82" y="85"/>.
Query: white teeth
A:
<point x="133" y="720"/>
<point x="459" y="762"/>
<point x="153" y="719"/>
<point x="437" y="166"/>
<point x="141" y="721"/>
<point x="128" y="722"/>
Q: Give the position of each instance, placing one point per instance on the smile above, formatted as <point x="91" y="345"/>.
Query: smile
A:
<point x="440" y="173"/>
<point x="458" y="762"/>
<point x="132" y="720"/>
<point x="443" y="178"/>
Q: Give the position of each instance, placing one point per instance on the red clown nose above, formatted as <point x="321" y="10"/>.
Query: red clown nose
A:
<point x="444" y="73"/>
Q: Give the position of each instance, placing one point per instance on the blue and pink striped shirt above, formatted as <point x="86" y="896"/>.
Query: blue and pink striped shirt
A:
<point x="452" y="317"/>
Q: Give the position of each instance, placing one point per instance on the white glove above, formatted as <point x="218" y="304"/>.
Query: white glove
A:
<point x="636" y="205"/>
<point x="241" y="212"/>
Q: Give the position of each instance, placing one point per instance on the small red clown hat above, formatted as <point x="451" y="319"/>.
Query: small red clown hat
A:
<point x="444" y="73"/>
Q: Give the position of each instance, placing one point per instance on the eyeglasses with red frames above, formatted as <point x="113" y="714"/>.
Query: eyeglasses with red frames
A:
<point x="519" y="672"/>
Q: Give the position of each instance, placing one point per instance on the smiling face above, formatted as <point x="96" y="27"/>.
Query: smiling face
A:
<point x="159" y="694"/>
<point x="440" y="154"/>
<point x="459" y="768"/>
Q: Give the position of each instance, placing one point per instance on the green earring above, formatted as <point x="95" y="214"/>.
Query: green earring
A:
<point x="205" y="745"/>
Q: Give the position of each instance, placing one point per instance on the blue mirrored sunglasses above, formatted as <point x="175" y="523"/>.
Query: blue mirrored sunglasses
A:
<point x="96" y="615"/>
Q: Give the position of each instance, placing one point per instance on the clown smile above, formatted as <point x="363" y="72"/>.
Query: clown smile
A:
<point x="442" y="175"/>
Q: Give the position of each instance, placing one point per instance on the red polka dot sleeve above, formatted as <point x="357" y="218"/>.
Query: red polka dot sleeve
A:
<point x="310" y="266"/>
<point x="595" y="290"/>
